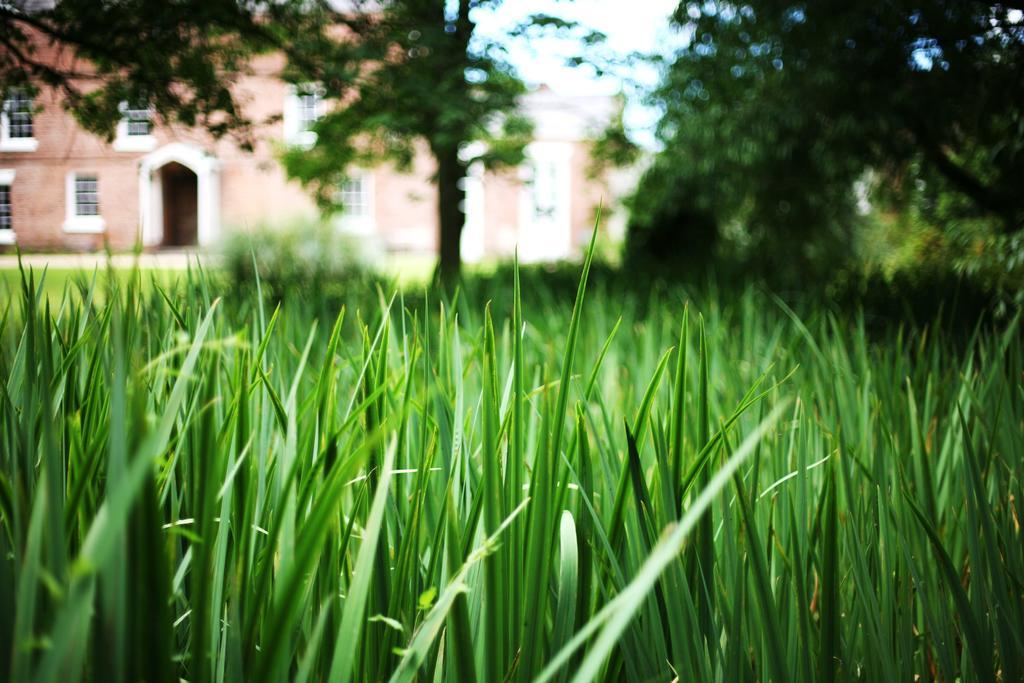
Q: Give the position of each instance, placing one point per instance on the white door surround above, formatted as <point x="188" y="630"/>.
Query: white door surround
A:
<point x="207" y="170"/>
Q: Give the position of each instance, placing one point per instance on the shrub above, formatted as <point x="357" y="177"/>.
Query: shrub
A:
<point x="302" y="259"/>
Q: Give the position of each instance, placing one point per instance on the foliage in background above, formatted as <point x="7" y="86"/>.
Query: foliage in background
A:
<point x="905" y="254"/>
<point x="218" y="490"/>
<point x="775" y="111"/>
<point x="180" y="58"/>
<point x="313" y="260"/>
<point x="613" y="148"/>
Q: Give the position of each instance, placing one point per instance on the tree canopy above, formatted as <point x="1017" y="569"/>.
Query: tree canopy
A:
<point x="181" y="58"/>
<point x="775" y="109"/>
<point x="409" y="72"/>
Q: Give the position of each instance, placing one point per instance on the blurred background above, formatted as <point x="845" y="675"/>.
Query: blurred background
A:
<point x="848" y="151"/>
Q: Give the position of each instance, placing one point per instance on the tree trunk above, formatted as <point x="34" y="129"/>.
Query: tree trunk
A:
<point x="451" y="196"/>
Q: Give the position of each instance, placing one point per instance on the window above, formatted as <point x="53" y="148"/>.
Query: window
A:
<point x="83" y="203"/>
<point x="545" y="186"/>
<point x="356" y="198"/>
<point x="18" y="106"/>
<point x="5" y="207"/>
<point x="303" y="107"/>
<point x="16" y="122"/>
<point x="87" y="195"/>
<point x="6" y="225"/>
<point x="309" y="110"/>
<point x="135" y="129"/>
<point x="137" y="120"/>
<point x="6" y="215"/>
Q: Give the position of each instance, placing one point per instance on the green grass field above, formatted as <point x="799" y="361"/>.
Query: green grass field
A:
<point x="197" y="484"/>
<point x="405" y="269"/>
<point x="53" y="284"/>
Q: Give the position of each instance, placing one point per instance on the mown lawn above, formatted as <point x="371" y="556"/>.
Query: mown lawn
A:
<point x="198" y="484"/>
<point x="404" y="269"/>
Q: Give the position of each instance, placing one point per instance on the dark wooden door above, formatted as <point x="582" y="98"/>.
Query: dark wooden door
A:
<point x="181" y="204"/>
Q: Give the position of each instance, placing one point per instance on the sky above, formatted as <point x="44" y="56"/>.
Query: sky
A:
<point x="630" y="26"/>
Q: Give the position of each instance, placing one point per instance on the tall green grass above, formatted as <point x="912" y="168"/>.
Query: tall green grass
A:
<point x="197" y="485"/>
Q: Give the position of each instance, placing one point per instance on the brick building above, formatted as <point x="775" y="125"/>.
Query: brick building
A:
<point x="62" y="188"/>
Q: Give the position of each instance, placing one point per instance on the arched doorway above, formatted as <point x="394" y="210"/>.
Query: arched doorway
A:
<point x="179" y="197"/>
<point x="180" y="189"/>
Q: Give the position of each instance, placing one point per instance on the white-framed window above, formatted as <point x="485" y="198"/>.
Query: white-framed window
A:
<point x="6" y="213"/>
<point x="303" y="107"/>
<point x="137" y="120"/>
<point x="135" y="129"/>
<point x="87" y="195"/>
<point x="308" y="110"/>
<point x="17" y="124"/>
<point x="544" y="188"/>
<point x="82" y="196"/>
<point x="356" y="198"/>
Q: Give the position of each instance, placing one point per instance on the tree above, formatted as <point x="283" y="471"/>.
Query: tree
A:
<point x="775" y="109"/>
<point x="402" y="72"/>
<point x="181" y="58"/>
<point x="409" y="72"/>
